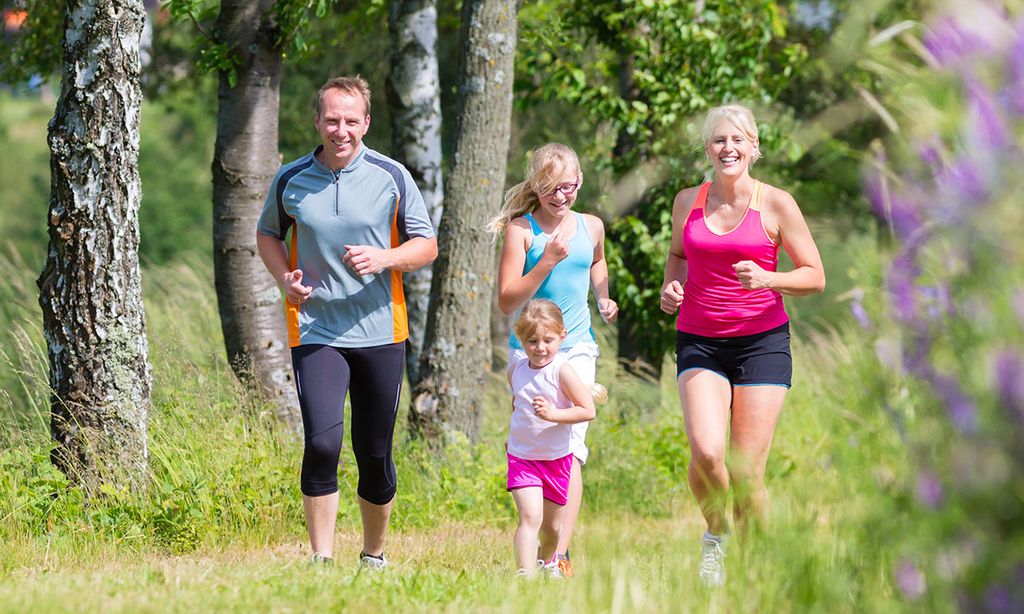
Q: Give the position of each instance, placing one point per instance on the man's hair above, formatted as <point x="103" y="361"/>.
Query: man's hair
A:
<point x="354" y="86"/>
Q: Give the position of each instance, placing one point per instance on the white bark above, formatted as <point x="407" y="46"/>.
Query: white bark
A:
<point x="414" y="99"/>
<point x="90" y="288"/>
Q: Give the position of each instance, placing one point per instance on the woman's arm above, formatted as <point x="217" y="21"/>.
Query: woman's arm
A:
<point x="675" y="263"/>
<point x="808" y="274"/>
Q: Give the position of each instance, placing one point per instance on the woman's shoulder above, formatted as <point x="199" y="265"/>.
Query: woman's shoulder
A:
<point x="775" y="199"/>
<point x="685" y="198"/>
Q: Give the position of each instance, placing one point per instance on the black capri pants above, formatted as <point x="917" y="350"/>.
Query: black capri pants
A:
<point x="373" y="376"/>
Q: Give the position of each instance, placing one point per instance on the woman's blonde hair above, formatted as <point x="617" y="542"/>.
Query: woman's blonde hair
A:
<point x="539" y="314"/>
<point x="739" y="116"/>
<point x="544" y="170"/>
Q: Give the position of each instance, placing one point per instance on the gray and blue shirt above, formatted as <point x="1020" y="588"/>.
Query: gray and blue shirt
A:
<point x="372" y="201"/>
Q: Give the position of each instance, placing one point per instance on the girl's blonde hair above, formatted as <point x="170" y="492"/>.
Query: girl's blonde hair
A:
<point x="544" y="170"/>
<point x="539" y="314"/>
<point x="739" y="116"/>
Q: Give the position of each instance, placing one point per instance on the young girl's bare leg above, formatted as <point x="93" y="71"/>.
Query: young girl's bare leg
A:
<point x="531" y="506"/>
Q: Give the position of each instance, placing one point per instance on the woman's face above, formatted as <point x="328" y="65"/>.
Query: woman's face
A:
<point x="560" y="199"/>
<point x="730" y="151"/>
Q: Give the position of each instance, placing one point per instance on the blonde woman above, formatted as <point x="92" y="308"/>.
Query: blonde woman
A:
<point x="554" y="253"/>
<point x="733" y="361"/>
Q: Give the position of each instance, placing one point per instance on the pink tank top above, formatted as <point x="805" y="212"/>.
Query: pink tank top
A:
<point x="714" y="302"/>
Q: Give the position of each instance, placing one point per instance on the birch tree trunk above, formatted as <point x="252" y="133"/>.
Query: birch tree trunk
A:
<point x="244" y="162"/>
<point x="457" y="348"/>
<point x="414" y="100"/>
<point x="90" y="287"/>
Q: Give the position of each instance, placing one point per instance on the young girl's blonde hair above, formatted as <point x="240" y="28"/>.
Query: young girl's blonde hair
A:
<point x="739" y="116"/>
<point x="546" y="168"/>
<point x="539" y="314"/>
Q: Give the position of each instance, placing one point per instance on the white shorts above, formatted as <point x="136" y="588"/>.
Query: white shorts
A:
<point x="583" y="358"/>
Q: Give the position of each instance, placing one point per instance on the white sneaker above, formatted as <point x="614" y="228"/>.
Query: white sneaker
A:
<point x="368" y="561"/>
<point x="712" y="562"/>
<point x="551" y="570"/>
<point x="319" y="559"/>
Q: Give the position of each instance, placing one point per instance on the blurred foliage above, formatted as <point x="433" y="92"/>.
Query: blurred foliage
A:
<point x="948" y="321"/>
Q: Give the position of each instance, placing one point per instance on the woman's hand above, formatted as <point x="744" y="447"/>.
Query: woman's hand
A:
<point x="752" y="276"/>
<point x="671" y="297"/>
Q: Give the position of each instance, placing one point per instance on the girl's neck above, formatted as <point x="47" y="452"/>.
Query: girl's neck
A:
<point x="549" y="223"/>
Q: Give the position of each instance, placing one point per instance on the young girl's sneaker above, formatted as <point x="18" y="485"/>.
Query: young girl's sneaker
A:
<point x="319" y="559"/>
<point x="564" y="566"/>
<point x="551" y="570"/>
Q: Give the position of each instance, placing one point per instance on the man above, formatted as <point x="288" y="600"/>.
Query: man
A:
<point x="358" y="221"/>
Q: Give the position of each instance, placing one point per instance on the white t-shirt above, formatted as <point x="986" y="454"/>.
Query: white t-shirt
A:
<point x="582" y="357"/>
<point x="531" y="437"/>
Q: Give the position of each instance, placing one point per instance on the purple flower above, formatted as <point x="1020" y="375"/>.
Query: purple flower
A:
<point x="929" y="153"/>
<point x="1009" y="375"/>
<point x="950" y="42"/>
<point x="986" y="130"/>
<point x="937" y="301"/>
<point x="910" y="580"/>
<point x="1014" y="92"/>
<point x="929" y="489"/>
<point x="902" y="274"/>
<point x="998" y="599"/>
<point x="961" y="409"/>
<point x="961" y="181"/>
<point x="857" y="309"/>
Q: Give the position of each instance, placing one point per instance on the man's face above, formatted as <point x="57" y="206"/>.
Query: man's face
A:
<point x="342" y="123"/>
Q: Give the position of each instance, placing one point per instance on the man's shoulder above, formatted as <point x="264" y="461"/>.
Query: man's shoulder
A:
<point x="378" y="162"/>
<point x="297" y="165"/>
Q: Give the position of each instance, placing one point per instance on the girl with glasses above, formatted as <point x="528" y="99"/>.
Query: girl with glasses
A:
<point x="551" y="252"/>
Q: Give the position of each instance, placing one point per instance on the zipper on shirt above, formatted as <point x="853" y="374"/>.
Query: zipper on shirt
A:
<point x="337" y="193"/>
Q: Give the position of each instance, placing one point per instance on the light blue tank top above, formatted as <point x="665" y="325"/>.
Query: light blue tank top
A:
<point x="567" y="285"/>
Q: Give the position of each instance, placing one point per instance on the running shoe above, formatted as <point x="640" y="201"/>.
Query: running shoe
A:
<point x="564" y="566"/>
<point x="712" y="562"/>
<point x="369" y="561"/>
<point x="319" y="559"/>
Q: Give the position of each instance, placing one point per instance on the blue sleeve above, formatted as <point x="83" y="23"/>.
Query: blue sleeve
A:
<point x="413" y="219"/>
<point x="274" y="221"/>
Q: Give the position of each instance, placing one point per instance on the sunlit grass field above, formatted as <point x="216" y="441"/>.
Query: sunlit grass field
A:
<point x="221" y="526"/>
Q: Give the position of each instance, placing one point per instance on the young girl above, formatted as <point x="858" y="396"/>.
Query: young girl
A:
<point x="550" y="252"/>
<point x="548" y="398"/>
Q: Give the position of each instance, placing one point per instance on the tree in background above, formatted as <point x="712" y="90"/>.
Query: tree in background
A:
<point x="414" y="100"/>
<point x="457" y="351"/>
<point x="643" y="73"/>
<point x="90" y="287"/>
<point x="245" y="48"/>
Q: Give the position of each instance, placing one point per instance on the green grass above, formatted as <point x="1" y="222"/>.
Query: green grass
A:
<point x="221" y="527"/>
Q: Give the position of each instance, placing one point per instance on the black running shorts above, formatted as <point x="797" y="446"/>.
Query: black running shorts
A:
<point x="750" y="360"/>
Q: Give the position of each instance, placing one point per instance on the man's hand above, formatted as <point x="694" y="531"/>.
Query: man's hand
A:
<point x="294" y="291"/>
<point x="365" y="260"/>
